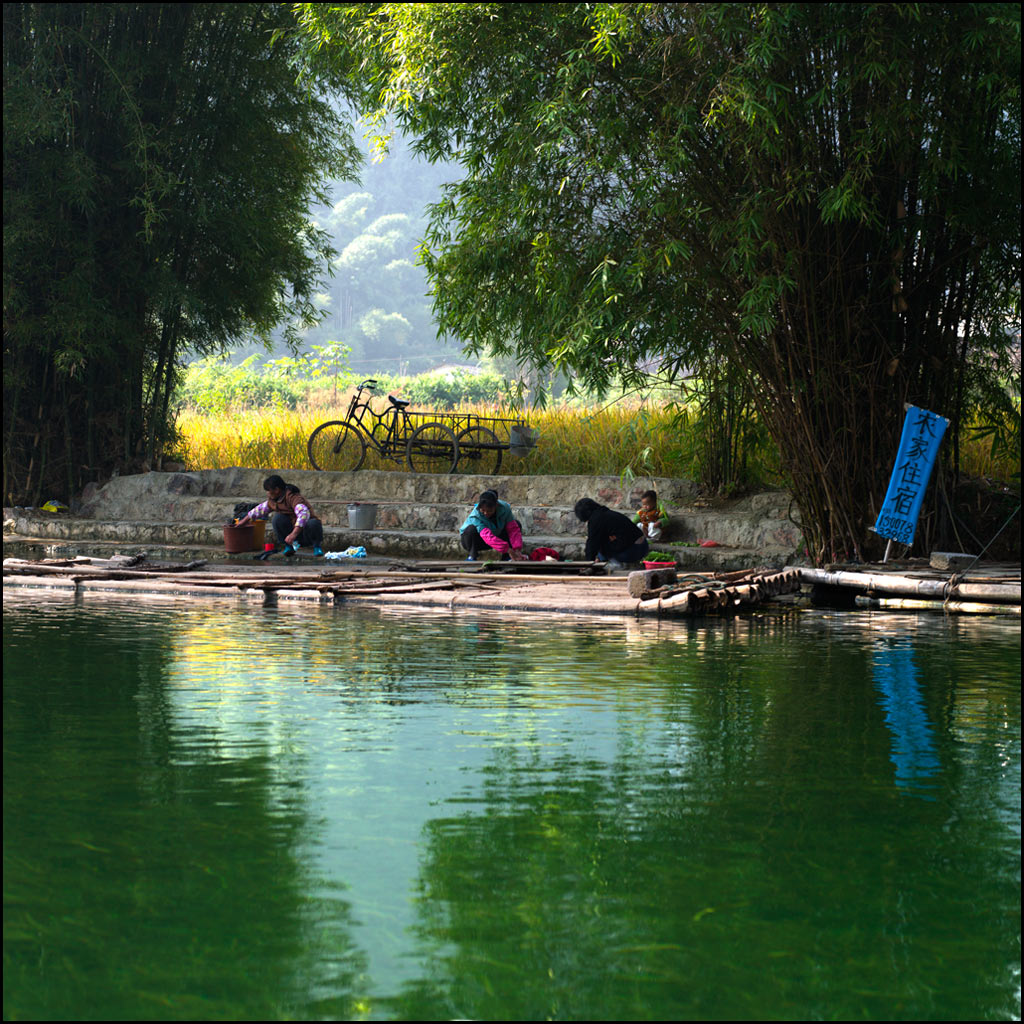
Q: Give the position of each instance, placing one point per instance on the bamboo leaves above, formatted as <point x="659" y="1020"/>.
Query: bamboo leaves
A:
<point x="720" y="184"/>
<point x="158" y="165"/>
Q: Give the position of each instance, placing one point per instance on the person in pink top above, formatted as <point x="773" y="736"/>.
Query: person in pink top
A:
<point x="491" y="525"/>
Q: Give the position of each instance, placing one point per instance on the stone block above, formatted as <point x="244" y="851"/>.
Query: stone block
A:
<point x="641" y="583"/>
<point x="950" y="560"/>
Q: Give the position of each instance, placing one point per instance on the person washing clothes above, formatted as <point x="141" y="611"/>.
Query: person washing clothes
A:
<point x="611" y="537"/>
<point x="293" y="521"/>
<point x="491" y="525"/>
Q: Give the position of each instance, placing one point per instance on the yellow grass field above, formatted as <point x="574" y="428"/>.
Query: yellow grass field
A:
<point x="571" y="441"/>
<point x="617" y="440"/>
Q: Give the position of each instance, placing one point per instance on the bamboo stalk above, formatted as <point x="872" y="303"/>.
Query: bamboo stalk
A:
<point x="1007" y="593"/>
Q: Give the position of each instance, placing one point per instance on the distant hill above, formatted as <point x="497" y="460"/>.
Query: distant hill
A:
<point x="377" y="301"/>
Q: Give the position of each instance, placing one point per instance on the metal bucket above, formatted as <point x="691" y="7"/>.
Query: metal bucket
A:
<point x="362" y="517"/>
<point x="522" y="439"/>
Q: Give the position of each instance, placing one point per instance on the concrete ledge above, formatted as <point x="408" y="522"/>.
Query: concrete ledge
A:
<point x="951" y="560"/>
<point x="120" y="494"/>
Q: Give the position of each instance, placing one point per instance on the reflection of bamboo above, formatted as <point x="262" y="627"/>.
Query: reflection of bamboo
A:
<point x="916" y="604"/>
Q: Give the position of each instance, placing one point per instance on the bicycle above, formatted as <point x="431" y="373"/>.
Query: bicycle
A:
<point x="340" y="446"/>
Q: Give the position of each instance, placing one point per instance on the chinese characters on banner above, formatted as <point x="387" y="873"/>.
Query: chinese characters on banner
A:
<point x="922" y="433"/>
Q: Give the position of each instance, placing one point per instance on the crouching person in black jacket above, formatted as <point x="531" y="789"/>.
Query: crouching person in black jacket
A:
<point x="611" y="536"/>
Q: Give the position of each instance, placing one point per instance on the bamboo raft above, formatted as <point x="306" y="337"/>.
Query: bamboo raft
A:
<point x="551" y="587"/>
<point x="916" y="586"/>
<point x="541" y="587"/>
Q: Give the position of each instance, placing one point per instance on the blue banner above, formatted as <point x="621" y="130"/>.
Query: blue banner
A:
<point x="922" y="434"/>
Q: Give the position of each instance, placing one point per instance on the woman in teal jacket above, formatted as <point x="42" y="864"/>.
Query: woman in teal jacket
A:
<point x="491" y="525"/>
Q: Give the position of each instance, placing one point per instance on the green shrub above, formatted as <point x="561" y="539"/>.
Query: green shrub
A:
<point x="213" y="385"/>
<point x="447" y="389"/>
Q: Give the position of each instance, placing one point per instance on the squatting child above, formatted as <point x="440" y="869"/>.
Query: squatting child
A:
<point x="651" y="517"/>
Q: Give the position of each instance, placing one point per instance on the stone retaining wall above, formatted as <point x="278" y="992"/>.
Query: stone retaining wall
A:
<point x="417" y="514"/>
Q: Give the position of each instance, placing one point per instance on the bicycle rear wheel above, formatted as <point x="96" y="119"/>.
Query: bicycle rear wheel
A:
<point x="479" y="451"/>
<point x="336" y="447"/>
<point x="432" y="448"/>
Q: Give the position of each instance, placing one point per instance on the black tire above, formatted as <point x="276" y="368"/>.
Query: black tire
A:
<point x="336" y="447"/>
<point x="432" y="448"/>
<point x="479" y="451"/>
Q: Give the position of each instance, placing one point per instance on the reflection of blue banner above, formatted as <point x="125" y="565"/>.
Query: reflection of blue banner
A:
<point x="913" y="746"/>
<point x="922" y="433"/>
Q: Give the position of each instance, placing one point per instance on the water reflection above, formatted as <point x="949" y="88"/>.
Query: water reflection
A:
<point x="313" y="812"/>
<point x="151" y="869"/>
<point x="913" y="746"/>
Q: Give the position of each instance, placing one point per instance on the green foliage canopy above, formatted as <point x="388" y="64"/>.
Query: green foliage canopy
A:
<point x="823" y="197"/>
<point x="159" y="161"/>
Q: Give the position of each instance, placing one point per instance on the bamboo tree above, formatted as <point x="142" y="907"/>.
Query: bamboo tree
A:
<point x="159" y="161"/>
<point x="825" y="195"/>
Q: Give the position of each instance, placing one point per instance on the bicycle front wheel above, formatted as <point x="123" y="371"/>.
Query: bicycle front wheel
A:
<point x="432" y="448"/>
<point x="479" y="451"/>
<point x="336" y="447"/>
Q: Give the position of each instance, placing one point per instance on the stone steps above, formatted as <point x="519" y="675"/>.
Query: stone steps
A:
<point x="184" y="515"/>
<point x="406" y="542"/>
<point x="120" y="493"/>
<point x="70" y="531"/>
<point x="415" y="545"/>
<point x="417" y="515"/>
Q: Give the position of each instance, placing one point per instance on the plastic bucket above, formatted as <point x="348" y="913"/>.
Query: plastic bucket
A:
<point x="362" y="517"/>
<point x="259" y="533"/>
<point x="238" y="538"/>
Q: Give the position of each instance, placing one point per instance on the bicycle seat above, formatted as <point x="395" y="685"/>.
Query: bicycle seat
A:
<point x="398" y="403"/>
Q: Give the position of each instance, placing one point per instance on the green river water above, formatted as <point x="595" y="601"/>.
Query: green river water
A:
<point x="224" y="812"/>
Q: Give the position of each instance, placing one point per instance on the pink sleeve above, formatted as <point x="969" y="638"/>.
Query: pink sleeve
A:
<point x="491" y="539"/>
<point x="515" y="535"/>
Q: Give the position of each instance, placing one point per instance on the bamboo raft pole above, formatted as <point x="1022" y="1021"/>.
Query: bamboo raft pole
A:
<point x="921" y="605"/>
<point x="697" y="594"/>
<point x="952" y="588"/>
